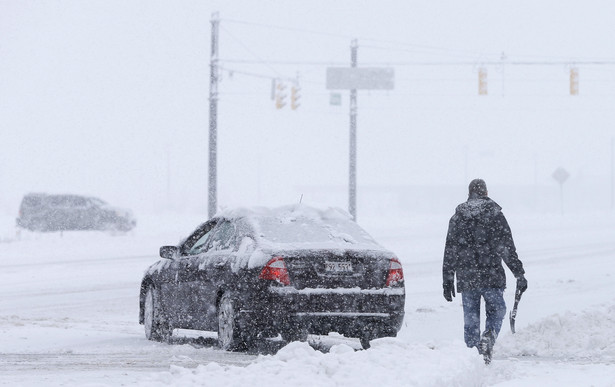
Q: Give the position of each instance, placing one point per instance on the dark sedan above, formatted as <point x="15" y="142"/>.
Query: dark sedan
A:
<point x="255" y="273"/>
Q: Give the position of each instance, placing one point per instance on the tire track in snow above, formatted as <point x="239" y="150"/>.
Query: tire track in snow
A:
<point x="153" y="361"/>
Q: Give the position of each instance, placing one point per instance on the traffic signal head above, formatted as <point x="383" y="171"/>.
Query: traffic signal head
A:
<point x="294" y="97"/>
<point x="280" y="96"/>
<point x="574" y="81"/>
<point x="482" y="81"/>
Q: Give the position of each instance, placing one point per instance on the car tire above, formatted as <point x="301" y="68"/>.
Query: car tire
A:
<point x="156" y="327"/>
<point x="365" y="342"/>
<point x="231" y="336"/>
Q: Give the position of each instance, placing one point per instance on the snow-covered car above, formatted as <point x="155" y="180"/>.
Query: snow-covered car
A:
<point x="44" y="212"/>
<point x="255" y="273"/>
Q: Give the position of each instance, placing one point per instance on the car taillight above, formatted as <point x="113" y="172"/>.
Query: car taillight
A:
<point x="275" y="270"/>
<point x="396" y="273"/>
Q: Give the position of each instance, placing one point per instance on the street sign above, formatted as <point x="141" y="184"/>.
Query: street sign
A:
<point x="335" y="99"/>
<point x="560" y="175"/>
<point x="364" y="78"/>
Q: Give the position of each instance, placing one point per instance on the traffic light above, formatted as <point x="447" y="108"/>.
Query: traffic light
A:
<point x="294" y="97"/>
<point x="280" y="95"/>
<point x="574" y="81"/>
<point x="482" y="81"/>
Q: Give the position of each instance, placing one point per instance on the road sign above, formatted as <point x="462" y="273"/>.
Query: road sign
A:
<point x="364" y="78"/>
<point x="335" y="99"/>
<point x="560" y="175"/>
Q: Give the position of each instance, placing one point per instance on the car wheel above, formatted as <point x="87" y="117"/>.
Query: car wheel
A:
<point x="230" y="335"/>
<point x="365" y="342"/>
<point x="156" y="328"/>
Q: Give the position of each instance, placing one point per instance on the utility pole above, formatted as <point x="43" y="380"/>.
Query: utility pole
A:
<point x="353" y="78"/>
<point x="352" y="183"/>
<point x="612" y="173"/>
<point x="213" y="117"/>
<point x="169" y="175"/>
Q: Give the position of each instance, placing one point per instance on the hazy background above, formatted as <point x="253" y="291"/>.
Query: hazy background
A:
<point x="110" y="98"/>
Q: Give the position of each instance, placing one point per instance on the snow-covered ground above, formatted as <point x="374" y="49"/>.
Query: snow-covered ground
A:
<point x="69" y="312"/>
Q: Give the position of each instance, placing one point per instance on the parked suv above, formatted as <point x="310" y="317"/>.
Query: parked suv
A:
<point x="43" y="212"/>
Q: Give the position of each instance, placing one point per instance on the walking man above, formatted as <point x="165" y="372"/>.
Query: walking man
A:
<point x="478" y="240"/>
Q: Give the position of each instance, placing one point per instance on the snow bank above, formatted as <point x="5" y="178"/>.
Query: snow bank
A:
<point x="584" y="335"/>
<point x="389" y="362"/>
<point x="573" y="348"/>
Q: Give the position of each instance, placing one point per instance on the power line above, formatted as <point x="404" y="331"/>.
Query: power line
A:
<point x="500" y="62"/>
<point x="344" y="36"/>
<point x="426" y="48"/>
<point x="260" y="60"/>
<point x="431" y="63"/>
<point x="286" y="63"/>
<point x="503" y="57"/>
<point x="263" y="25"/>
<point x="257" y="75"/>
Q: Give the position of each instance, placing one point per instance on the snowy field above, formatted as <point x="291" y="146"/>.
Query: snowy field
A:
<point x="69" y="314"/>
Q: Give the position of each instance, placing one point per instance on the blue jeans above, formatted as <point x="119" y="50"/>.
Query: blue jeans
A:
<point x="495" y="308"/>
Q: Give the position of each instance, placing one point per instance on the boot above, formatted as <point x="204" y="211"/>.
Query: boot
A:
<point x="485" y="346"/>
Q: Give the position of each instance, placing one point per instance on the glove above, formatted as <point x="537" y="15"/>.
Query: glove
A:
<point x="521" y="284"/>
<point x="449" y="290"/>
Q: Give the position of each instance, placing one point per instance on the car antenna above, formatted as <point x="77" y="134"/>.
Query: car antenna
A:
<point x="301" y="198"/>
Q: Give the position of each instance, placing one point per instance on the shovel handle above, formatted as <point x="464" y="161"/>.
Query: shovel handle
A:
<point x="513" y="313"/>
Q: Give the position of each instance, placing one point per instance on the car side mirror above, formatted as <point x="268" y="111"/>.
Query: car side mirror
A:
<point x="169" y="252"/>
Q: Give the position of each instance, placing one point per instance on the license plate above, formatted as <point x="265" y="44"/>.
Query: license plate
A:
<point x="338" y="267"/>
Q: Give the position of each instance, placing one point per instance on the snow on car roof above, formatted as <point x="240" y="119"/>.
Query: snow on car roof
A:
<point x="301" y="227"/>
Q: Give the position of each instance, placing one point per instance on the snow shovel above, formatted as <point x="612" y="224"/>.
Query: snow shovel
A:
<point x="513" y="312"/>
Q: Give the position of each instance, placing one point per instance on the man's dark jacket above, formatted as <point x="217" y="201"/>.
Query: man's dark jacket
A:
<point x="478" y="240"/>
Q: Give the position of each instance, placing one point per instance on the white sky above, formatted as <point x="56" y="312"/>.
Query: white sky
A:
<point x="110" y="98"/>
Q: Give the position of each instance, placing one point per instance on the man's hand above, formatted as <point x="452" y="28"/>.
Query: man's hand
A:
<point x="521" y="284"/>
<point x="449" y="290"/>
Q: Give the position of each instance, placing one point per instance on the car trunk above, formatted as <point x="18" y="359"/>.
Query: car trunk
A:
<point x="341" y="269"/>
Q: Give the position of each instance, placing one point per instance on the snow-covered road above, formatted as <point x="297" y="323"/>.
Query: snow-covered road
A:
<point x="69" y="308"/>
<point x="69" y="312"/>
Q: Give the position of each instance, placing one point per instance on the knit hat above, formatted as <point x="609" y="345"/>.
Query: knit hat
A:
<point x="478" y="187"/>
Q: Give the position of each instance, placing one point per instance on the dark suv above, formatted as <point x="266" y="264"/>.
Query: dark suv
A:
<point x="43" y="212"/>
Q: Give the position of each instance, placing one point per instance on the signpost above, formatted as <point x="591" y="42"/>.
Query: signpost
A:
<point x="353" y="78"/>
<point x="561" y="175"/>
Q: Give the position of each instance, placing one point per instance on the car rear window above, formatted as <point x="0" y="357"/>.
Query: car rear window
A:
<point x="66" y="201"/>
<point x="299" y="227"/>
<point x="306" y="230"/>
<point x="31" y="201"/>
